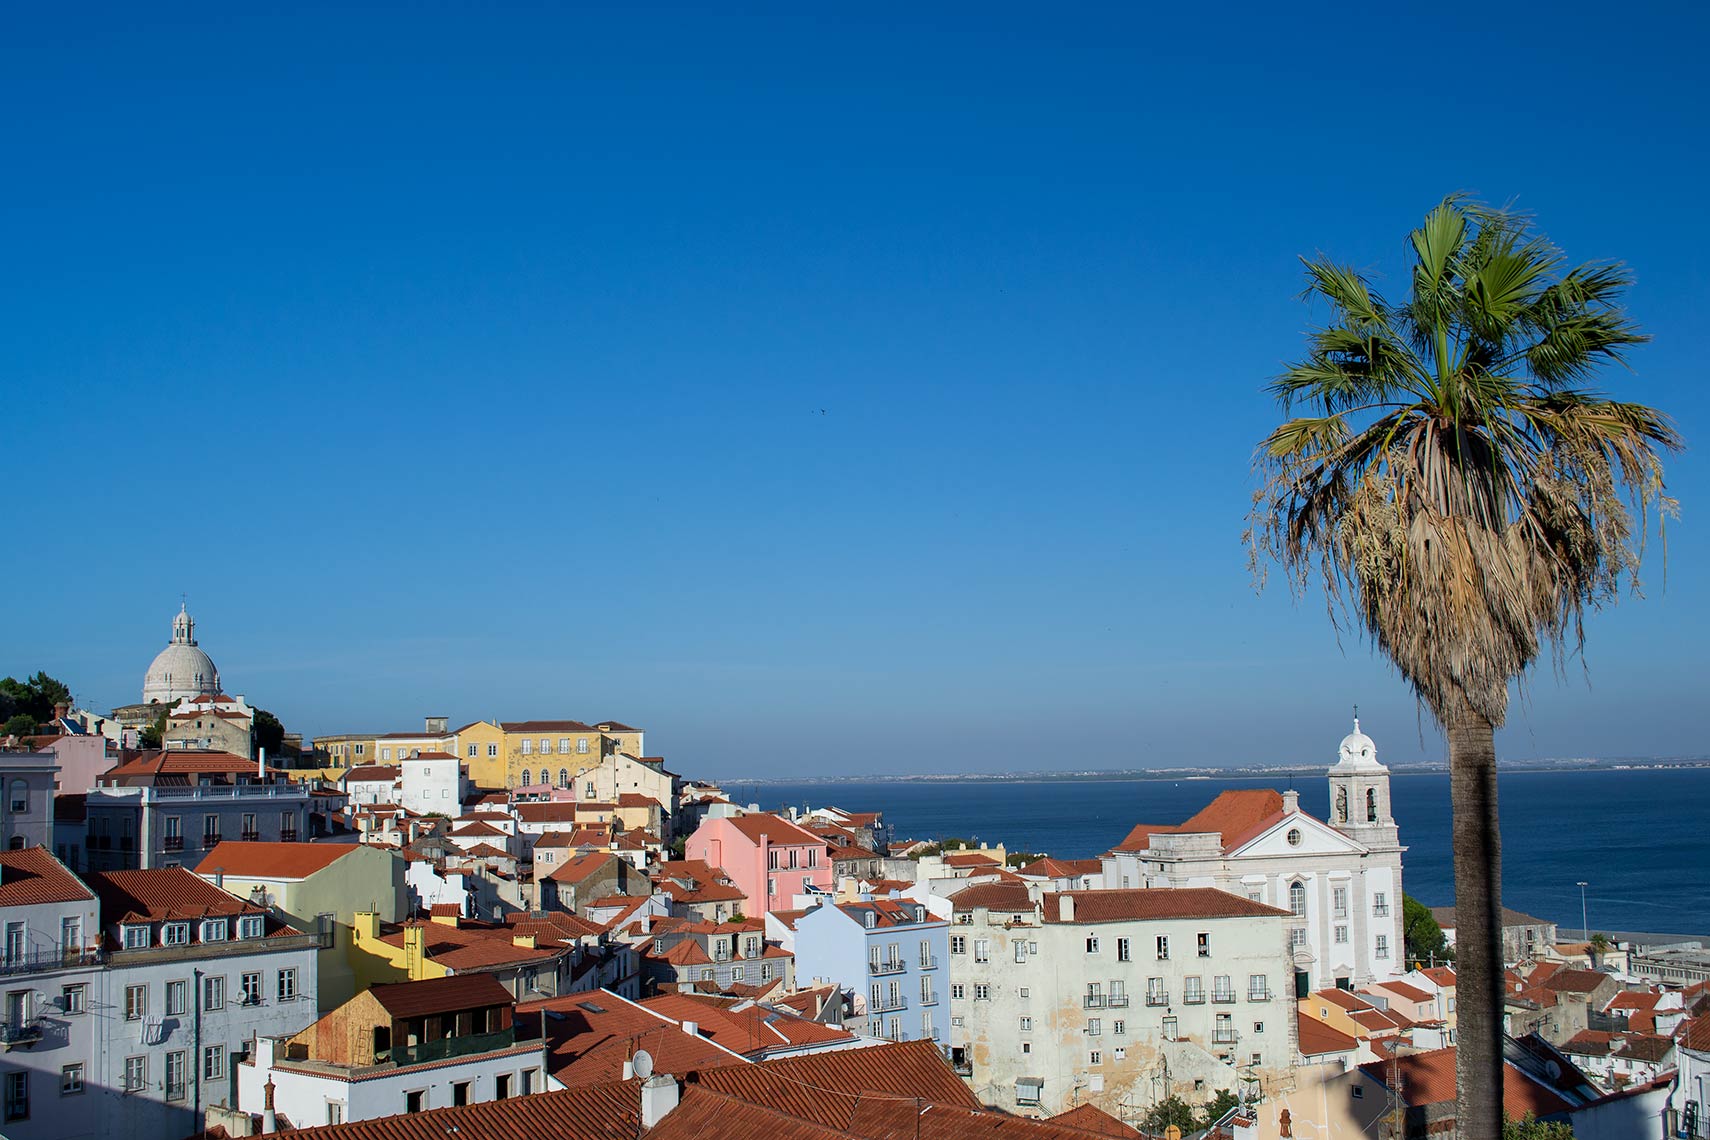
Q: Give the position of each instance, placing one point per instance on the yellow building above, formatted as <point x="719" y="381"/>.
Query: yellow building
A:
<point x="555" y="752"/>
<point x="339" y="753"/>
<point x="481" y="746"/>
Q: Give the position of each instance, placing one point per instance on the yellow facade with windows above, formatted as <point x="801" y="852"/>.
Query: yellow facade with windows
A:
<point x="481" y="747"/>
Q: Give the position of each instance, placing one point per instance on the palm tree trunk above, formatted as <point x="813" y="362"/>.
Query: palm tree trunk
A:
<point x="1478" y="924"/>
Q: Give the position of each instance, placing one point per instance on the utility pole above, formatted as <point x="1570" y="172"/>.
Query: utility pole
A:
<point x="1584" y="925"/>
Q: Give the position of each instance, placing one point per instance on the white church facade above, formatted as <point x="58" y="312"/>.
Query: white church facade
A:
<point x="1343" y="876"/>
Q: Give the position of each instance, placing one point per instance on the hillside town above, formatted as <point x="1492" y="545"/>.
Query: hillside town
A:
<point x="496" y="929"/>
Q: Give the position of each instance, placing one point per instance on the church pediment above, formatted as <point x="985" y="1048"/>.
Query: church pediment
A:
<point x="1296" y="835"/>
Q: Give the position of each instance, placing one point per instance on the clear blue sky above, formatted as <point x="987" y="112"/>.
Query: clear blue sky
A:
<point x="820" y="388"/>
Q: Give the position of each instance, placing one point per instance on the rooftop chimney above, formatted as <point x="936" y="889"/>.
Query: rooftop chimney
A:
<point x="1066" y="907"/>
<point x="261" y="763"/>
<point x="692" y="1028"/>
<point x="1291" y="800"/>
<point x="659" y="1094"/>
<point x="269" y="1121"/>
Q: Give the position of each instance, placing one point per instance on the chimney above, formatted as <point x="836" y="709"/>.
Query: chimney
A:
<point x="60" y="708"/>
<point x="692" y="1028"/>
<point x="628" y="1070"/>
<point x="659" y="1094"/>
<point x="1066" y="908"/>
<point x="1291" y="801"/>
<point x="261" y="763"/>
<point x="269" y="1121"/>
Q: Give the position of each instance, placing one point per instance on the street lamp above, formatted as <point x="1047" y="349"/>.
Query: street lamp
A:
<point x="1584" y="926"/>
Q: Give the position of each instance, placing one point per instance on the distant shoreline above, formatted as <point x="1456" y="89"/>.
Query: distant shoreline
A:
<point x="1209" y="774"/>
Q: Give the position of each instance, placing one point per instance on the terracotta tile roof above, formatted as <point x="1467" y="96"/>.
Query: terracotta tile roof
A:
<point x="851" y="852"/>
<point x="1575" y="981"/>
<point x="582" y="867"/>
<point x="993" y="896"/>
<point x="636" y="799"/>
<point x="1646" y="1046"/>
<point x="798" y="1085"/>
<point x="32" y="875"/>
<point x="1694" y="1033"/>
<point x="272" y="860"/>
<point x="1134" y="904"/>
<point x="1633" y="999"/>
<point x="590" y="1036"/>
<point x="1049" y="868"/>
<point x="1429" y="1078"/>
<point x="688" y="952"/>
<point x="603" y="1112"/>
<point x="164" y="893"/>
<point x="1317" y="1038"/>
<point x="440" y="995"/>
<point x="556" y="924"/>
<point x="1441" y="975"/>
<point x="181" y="762"/>
<point x="473" y="946"/>
<point x="1090" y="1117"/>
<point x="527" y="726"/>
<point x="778" y="830"/>
<point x="703" y="1114"/>
<point x="473" y="830"/>
<point x="787" y="917"/>
<point x="1404" y="989"/>
<point x="547" y="811"/>
<point x="486" y="851"/>
<point x="750" y="1029"/>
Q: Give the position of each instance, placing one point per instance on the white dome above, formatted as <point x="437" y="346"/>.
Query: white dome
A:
<point x="181" y="669"/>
<point x="1357" y="750"/>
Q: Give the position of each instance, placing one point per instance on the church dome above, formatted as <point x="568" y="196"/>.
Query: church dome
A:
<point x="181" y="669"/>
<point x="1357" y="750"/>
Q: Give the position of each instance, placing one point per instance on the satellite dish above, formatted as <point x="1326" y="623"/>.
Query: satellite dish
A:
<point x="642" y="1063"/>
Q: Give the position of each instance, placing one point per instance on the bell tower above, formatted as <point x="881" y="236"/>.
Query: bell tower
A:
<point x="1359" y="792"/>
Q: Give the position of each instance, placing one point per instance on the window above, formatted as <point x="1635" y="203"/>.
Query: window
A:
<point x="1094" y="1057"/>
<point x="1380" y="904"/>
<point x="564" y="777"/>
<point x="19" y="799"/>
<point x="527" y="750"/>
<point x="1297" y="898"/>
<point x="1382" y="950"/>
<point x="1340" y="935"/>
<point x="335" y="1108"/>
<point x="136" y="1002"/>
<point x="251" y="926"/>
<point x="545" y="778"/>
<point x="136" y="1074"/>
<point x="136" y="937"/>
<point x="1223" y="1033"/>
<point x="582" y="744"/>
<point x="175" y="934"/>
<point x="213" y="1062"/>
<point x="71" y="1080"/>
<point x="1258" y="1027"/>
<point x="1026" y="1024"/>
<point x="175" y="995"/>
<point x="459" y="1093"/>
<point x="982" y="950"/>
<point x="1297" y="937"/>
<point x="73" y="999"/>
<point x="18" y="1096"/>
<point x="1193" y="990"/>
<point x="1257" y="988"/>
<point x="474" y="751"/>
<point x="1359" y="1093"/>
<point x="1163" y="948"/>
<point x="1170" y="1029"/>
<point x="385" y="754"/>
<point x="1339" y="901"/>
<point x="530" y="1077"/>
<point x="1094" y="998"/>
<point x="982" y="992"/>
<point x="177" y="1069"/>
<point x="413" y="1098"/>
<point x="1204" y="945"/>
<point x="1222" y="989"/>
<point x="1027" y="1091"/>
<point x="545" y="746"/>
<point x="214" y="993"/>
<point x="1156" y="993"/>
<point x="1119" y="1027"/>
<point x="1092" y="944"/>
<point x="214" y="930"/>
<point x="956" y="991"/>
<point x="958" y="944"/>
<point x="1122" y="950"/>
<point x="1094" y="1027"/>
<point x="492" y="750"/>
<point x="251" y="988"/>
<point x="15" y="943"/>
<point x="502" y="1086"/>
<point x="71" y="933"/>
<point x="564" y="744"/>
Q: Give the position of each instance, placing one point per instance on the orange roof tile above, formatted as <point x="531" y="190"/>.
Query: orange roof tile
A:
<point x="32" y="875"/>
<point x="1136" y="904"/>
<point x="778" y="831"/>
<point x="272" y="860"/>
<point x="1317" y="1038"/>
<point x="1429" y="1078"/>
<point x="1090" y="1117"/>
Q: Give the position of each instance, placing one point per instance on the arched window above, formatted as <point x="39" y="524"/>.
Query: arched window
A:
<point x="1297" y="898"/>
<point x="1341" y="805"/>
<point x="1371" y="805"/>
<point x="545" y="778"/>
<point x="564" y="777"/>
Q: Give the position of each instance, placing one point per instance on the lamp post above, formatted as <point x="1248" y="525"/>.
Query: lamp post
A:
<point x="1584" y="926"/>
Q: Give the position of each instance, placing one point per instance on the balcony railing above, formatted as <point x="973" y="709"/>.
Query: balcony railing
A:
<point x="1193" y="997"/>
<point x="929" y="999"/>
<point x="1223" y="997"/>
<point x="249" y="835"/>
<point x="447" y="1047"/>
<point x="172" y="843"/>
<point x="1117" y="1001"/>
<point x="210" y="841"/>
<point x="14" y="1034"/>
<point x="888" y="1004"/>
<point x="1158" y="998"/>
<point x="1259" y="995"/>
<point x="929" y="963"/>
<point x="200" y="950"/>
<point x="42" y="961"/>
<point x="288" y="835"/>
<point x="886" y="967"/>
<point x="1223" y="1037"/>
<point x="1092" y="1001"/>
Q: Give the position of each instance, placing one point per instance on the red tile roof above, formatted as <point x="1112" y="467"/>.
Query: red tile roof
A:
<point x="1317" y="1038"/>
<point x="590" y="1036"/>
<point x="1049" y="868"/>
<point x="1134" y="904"/>
<point x="751" y="1029"/>
<point x="778" y="830"/>
<point x="548" y="811"/>
<point x="1441" y="975"/>
<point x="603" y="1112"/>
<point x="993" y="896"/>
<point x="1575" y="981"/>
<point x="474" y="946"/>
<point x="440" y="995"/>
<point x="161" y="894"/>
<point x="1090" y="1117"/>
<point x="1429" y="1078"/>
<point x="1237" y="815"/>
<point x="582" y="867"/>
<point x="1404" y="989"/>
<point x="181" y="762"/>
<point x="526" y="726"/>
<point x="32" y="875"/>
<point x="272" y="860"/>
<point x="371" y="773"/>
<point x="799" y="1085"/>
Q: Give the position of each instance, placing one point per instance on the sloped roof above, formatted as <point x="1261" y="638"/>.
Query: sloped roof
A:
<point x="1049" y="868"/>
<point x="440" y="995"/>
<point x="1429" y="1078"/>
<point x="993" y="896"/>
<point x="1236" y="815"/>
<point x="797" y="1085"/>
<point x="1405" y="989"/>
<point x="372" y="773"/>
<point x="161" y="894"/>
<point x="1089" y="1117"/>
<point x="590" y="1036"/>
<point x="777" y="829"/>
<point x="181" y="762"/>
<point x="582" y="867"/>
<point x="1317" y="1038"/>
<point x="32" y="875"/>
<point x="1142" y="903"/>
<point x="748" y="1029"/>
<point x="272" y="860"/>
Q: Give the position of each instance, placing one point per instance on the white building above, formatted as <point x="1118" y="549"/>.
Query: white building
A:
<point x="431" y="782"/>
<point x="1343" y="877"/>
<point x="182" y="669"/>
<point x="1118" y="998"/>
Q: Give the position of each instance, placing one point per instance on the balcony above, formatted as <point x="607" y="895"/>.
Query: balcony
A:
<point x="43" y="961"/>
<point x="1117" y="1001"/>
<point x="929" y="963"/>
<point x="288" y="835"/>
<point x="20" y="1036"/>
<point x="888" y="1004"/>
<point x="249" y="835"/>
<point x="1092" y="1001"/>
<point x="1223" y="1037"/>
<point x="879" y="969"/>
<point x="230" y="948"/>
<point x="929" y="999"/>
<point x="1259" y="995"/>
<point x="447" y="1047"/>
<point x="172" y="843"/>
<point x="1159" y="998"/>
<point x="1193" y="997"/>
<point x="209" y="842"/>
<point x="1223" y="997"/>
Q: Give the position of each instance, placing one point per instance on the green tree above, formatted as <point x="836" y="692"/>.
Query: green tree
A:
<point x="153" y="734"/>
<point x="1216" y="1107"/>
<point x="35" y="696"/>
<point x="1171" y="1110"/>
<point x="20" y="724"/>
<point x="1529" y="1127"/>
<point x="1598" y="945"/>
<point x="269" y="734"/>
<point x="1422" y="934"/>
<point x="1465" y="497"/>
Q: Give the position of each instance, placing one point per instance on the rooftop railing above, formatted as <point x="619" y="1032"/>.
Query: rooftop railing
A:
<point x="43" y="961"/>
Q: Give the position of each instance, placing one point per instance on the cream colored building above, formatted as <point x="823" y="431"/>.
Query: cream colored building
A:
<point x="1118" y="998"/>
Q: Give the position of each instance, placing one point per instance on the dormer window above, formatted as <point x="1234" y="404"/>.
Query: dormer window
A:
<point x="920" y="914"/>
<point x="251" y="926"/>
<point x="214" y="930"/>
<point x="175" y="934"/>
<point x="135" y="935"/>
<point x="872" y="920"/>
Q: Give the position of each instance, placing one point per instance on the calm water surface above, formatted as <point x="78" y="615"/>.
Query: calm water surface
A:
<point x="1639" y="838"/>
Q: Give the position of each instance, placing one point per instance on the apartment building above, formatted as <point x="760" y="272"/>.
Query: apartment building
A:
<point x="891" y="954"/>
<point x="1092" y="996"/>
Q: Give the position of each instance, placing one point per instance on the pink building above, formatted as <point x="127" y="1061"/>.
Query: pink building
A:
<point x="770" y="859"/>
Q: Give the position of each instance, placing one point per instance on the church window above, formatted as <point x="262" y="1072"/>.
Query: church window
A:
<point x="1341" y="805"/>
<point x="1297" y="897"/>
<point x="1371" y="805"/>
<point x="1293" y="837"/>
<point x="1382" y="946"/>
<point x="1341" y="935"/>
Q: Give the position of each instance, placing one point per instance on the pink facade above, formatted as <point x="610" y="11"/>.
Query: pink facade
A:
<point x="770" y="859"/>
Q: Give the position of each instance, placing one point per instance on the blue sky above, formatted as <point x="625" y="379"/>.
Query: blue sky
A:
<point x="823" y="390"/>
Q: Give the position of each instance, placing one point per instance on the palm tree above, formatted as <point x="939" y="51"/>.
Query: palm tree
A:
<point x="1465" y="498"/>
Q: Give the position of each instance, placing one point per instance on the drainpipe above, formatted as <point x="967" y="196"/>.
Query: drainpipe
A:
<point x="195" y="1059"/>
